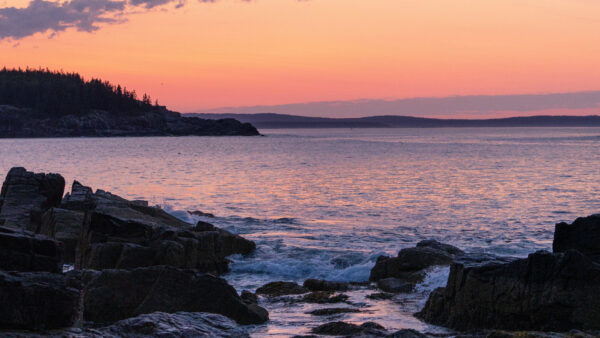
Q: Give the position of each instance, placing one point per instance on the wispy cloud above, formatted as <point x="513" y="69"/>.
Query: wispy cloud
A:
<point x="52" y="16"/>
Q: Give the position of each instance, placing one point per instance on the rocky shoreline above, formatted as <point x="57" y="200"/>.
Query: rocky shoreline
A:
<point x="90" y="263"/>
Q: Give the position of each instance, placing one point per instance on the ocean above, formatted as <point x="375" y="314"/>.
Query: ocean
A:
<point x="325" y="203"/>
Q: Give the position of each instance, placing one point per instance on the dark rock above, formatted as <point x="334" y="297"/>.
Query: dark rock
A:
<point x="582" y="235"/>
<point x="204" y="226"/>
<point x="113" y="295"/>
<point x="324" y="297"/>
<point x="536" y="334"/>
<point x="547" y="292"/>
<point x="333" y="311"/>
<point x="323" y="285"/>
<point x="172" y="325"/>
<point x="201" y="214"/>
<point x="26" y="195"/>
<point x="380" y="296"/>
<point x="410" y="264"/>
<point x="394" y="285"/>
<point x="407" y="333"/>
<point x="249" y="297"/>
<point x="28" y="252"/>
<point x="65" y="226"/>
<point x="347" y="329"/>
<point x="276" y="289"/>
<point x="37" y="300"/>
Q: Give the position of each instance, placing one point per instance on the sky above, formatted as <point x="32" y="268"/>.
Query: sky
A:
<point x="202" y="55"/>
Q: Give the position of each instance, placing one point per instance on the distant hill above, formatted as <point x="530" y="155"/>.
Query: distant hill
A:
<point x="42" y="103"/>
<point x="266" y="121"/>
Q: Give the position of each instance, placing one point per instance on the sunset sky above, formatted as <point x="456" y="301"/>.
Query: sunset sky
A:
<point x="197" y="55"/>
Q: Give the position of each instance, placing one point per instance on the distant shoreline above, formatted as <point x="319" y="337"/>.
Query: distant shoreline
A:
<point x="281" y="121"/>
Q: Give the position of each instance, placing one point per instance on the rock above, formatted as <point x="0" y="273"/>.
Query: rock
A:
<point x="26" y="195"/>
<point x="204" y="226"/>
<point x="380" y="296"/>
<point x="180" y="324"/>
<point x="407" y="333"/>
<point x="27" y="252"/>
<point x="333" y="311"/>
<point x="37" y="300"/>
<point x="323" y="285"/>
<point x="395" y="285"/>
<point x="582" y="235"/>
<point x="547" y="292"/>
<point x="534" y="334"/>
<point x="113" y="295"/>
<point x="410" y="264"/>
<point x="276" y="289"/>
<point x="65" y="226"/>
<point x="249" y="297"/>
<point x="201" y="214"/>
<point x="324" y="297"/>
<point x="347" y="329"/>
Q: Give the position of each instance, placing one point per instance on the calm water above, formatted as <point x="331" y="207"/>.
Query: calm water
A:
<point x="326" y="203"/>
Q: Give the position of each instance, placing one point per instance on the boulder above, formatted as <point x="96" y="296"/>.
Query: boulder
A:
<point x="37" y="300"/>
<point x="411" y="263"/>
<point x="323" y="285"/>
<point x="113" y="295"/>
<point x="547" y="292"/>
<point x="28" y="252"/>
<point x="333" y="311"/>
<point x="65" y="226"/>
<point x="409" y="333"/>
<point x="394" y="285"/>
<point x="348" y="329"/>
<point x="582" y="235"/>
<point x="276" y="289"/>
<point x="323" y="297"/>
<point x="380" y="296"/>
<point x="180" y="324"/>
<point x="26" y="195"/>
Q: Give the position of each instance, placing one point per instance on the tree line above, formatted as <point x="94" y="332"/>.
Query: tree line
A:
<point x="58" y="93"/>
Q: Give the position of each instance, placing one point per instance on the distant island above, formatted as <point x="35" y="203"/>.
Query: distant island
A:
<point x="43" y="103"/>
<point x="267" y="120"/>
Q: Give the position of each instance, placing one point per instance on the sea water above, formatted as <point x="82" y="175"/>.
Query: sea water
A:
<point x="325" y="203"/>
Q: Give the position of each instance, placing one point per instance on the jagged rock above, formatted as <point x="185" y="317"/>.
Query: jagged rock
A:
<point x="582" y="235"/>
<point x="65" y="226"/>
<point x="410" y="264"/>
<point x="333" y="311"/>
<point x="276" y="289"/>
<point x="394" y="285"/>
<point x="547" y="292"/>
<point x="347" y="329"/>
<point x="113" y="295"/>
<point x="26" y="195"/>
<point x="28" y="252"/>
<point x="323" y="297"/>
<point x="323" y="285"/>
<point x="201" y="214"/>
<point x="172" y="325"/>
<point x="37" y="300"/>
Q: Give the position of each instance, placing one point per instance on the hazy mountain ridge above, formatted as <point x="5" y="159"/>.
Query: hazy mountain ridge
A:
<point x="269" y="120"/>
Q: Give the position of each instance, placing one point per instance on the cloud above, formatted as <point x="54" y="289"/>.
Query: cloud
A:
<point x="476" y="105"/>
<point x="41" y="16"/>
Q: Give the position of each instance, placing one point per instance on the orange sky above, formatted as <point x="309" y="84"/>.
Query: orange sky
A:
<point x="263" y="52"/>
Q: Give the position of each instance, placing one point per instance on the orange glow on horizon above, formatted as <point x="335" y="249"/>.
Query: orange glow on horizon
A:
<point x="237" y="53"/>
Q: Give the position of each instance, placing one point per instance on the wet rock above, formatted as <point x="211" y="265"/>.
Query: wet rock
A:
<point x="333" y="311"/>
<point x="395" y="285"/>
<point x="204" y="226"/>
<point x="534" y="334"/>
<point x="410" y="264"/>
<point x="180" y="324"/>
<point x="276" y="289"/>
<point x="347" y="329"/>
<point x="28" y="252"/>
<point x="323" y="285"/>
<point x="582" y="235"/>
<point x="65" y="226"/>
<point x="324" y="297"/>
<point x="547" y="292"/>
<point x="201" y="214"/>
<point x="380" y="296"/>
<point x="249" y="297"/>
<point x="113" y="295"/>
<point x="407" y="333"/>
<point x="26" y="195"/>
<point x="37" y="300"/>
